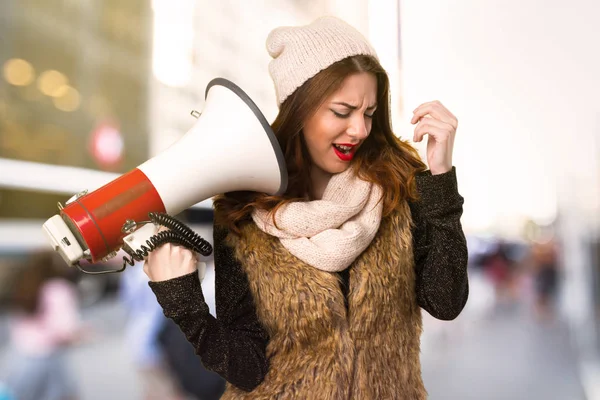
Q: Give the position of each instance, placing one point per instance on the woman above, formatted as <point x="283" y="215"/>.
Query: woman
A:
<point x="318" y="291"/>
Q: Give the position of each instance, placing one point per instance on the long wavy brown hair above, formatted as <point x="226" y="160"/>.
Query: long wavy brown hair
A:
<point x="383" y="158"/>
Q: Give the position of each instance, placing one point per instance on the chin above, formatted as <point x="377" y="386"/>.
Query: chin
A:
<point x="336" y="169"/>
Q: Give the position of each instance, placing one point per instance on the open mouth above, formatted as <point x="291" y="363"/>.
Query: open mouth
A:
<point x="344" y="151"/>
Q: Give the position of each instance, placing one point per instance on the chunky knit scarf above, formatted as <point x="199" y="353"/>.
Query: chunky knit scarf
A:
<point x="330" y="233"/>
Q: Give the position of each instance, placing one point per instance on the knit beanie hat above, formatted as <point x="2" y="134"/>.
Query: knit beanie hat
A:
<point x="300" y="52"/>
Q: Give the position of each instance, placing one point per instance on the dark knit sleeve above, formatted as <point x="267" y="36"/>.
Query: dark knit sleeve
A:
<point x="233" y="344"/>
<point x="439" y="245"/>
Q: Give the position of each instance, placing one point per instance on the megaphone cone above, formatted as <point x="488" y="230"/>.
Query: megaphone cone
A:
<point x="231" y="147"/>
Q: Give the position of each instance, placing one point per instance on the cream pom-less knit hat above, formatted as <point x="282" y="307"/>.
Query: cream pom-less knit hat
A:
<point x="300" y="52"/>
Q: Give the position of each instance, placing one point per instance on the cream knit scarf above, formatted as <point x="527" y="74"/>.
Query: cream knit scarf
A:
<point x="330" y="233"/>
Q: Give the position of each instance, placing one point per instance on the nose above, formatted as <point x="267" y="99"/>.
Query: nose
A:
<point x="358" y="127"/>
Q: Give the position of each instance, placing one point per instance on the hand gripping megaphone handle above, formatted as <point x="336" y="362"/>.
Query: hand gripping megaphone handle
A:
<point x="178" y="233"/>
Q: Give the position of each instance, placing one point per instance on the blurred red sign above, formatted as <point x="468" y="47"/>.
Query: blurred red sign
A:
<point x="106" y="145"/>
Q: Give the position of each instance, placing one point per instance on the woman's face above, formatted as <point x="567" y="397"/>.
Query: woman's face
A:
<point x="340" y="125"/>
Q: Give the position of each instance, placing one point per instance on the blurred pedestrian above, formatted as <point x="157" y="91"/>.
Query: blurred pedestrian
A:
<point x="44" y="324"/>
<point x="546" y="277"/>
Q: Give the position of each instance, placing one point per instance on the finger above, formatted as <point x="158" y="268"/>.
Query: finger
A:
<point x="438" y="129"/>
<point x="165" y="248"/>
<point x="430" y="122"/>
<point x="438" y="134"/>
<point x="189" y="257"/>
<point x="183" y="252"/>
<point x="439" y="104"/>
<point x="421" y="106"/>
<point x="436" y="110"/>
<point x="162" y="229"/>
<point x="434" y="103"/>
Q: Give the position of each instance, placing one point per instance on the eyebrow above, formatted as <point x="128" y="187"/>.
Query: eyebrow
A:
<point x="354" y="107"/>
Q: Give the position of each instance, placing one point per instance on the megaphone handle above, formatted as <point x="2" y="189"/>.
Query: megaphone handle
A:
<point x="178" y="233"/>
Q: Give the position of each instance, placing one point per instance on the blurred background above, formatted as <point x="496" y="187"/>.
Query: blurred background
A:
<point x="90" y="89"/>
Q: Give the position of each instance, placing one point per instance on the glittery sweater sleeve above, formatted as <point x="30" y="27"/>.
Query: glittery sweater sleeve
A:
<point x="440" y="247"/>
<point x="233" y="344"/>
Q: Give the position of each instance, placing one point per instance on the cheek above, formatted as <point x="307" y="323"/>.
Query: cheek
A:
<point x="316" y="148"/>
<point x="320" y="135"/>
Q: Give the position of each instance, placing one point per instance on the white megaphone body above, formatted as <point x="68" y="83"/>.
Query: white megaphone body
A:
<point x="231" y="147"/>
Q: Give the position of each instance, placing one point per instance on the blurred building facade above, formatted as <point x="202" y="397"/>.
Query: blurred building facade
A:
<point x="74" y="90"/>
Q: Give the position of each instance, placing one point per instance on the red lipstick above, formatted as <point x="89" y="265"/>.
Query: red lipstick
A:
<point x="344" y="156"/>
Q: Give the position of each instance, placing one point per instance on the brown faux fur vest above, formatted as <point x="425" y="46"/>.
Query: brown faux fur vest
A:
<point x="317" y="349"/>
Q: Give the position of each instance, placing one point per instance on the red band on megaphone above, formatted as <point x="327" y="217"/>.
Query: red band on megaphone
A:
<point x="99" y="216"/>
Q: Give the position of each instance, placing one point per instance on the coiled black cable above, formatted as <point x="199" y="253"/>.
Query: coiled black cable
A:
<point x="178" y="233"/>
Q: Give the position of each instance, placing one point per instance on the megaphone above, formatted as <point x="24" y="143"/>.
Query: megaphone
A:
<point x="230" y="147"/>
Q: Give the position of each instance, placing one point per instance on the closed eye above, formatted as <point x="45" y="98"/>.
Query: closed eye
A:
<point x="337" y="114"/>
